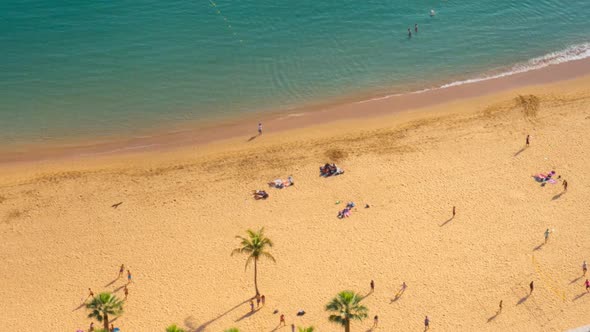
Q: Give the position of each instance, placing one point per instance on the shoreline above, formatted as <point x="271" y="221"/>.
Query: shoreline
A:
<point x="278" y="121"/>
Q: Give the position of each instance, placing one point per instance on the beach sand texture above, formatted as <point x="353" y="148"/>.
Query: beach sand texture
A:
<point x="181" y="211"/>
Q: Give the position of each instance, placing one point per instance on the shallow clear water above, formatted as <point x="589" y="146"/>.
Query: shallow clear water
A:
<point x="70" y="68"/>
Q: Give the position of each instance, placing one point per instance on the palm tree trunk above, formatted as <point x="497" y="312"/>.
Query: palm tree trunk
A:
<point x="347" y="326"/>
<point x="106" y="322"/>
<point x="256" y="276"/>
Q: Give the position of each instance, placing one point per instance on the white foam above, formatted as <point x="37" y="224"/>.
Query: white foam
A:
<point x="572" y="53"/>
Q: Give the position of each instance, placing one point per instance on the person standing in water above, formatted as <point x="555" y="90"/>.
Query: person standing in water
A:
<point x="415" y="27"/>
<point x="409" y="33"/>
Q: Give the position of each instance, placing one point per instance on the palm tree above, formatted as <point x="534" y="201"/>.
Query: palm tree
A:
<point x="254" y="246"/>
<point x="233" y="329"/>
<point x="174" y="328"/>
<point x="103" y="305"/>
<point x="346" y="307"/>
<point x="305" y="329"/>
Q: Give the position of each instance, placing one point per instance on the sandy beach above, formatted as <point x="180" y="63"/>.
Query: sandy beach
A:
<point x="182" y="208"/>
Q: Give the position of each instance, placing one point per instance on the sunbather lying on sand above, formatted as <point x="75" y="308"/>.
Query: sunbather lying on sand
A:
<point x="280" y="183"/>
<point x="260" y="194"/>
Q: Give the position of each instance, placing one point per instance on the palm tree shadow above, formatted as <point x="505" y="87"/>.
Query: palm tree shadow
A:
<point x="520" y="151"/>
<point x="539" y="247"/>
<point x="579" y="296"/>
<point x="578" y="278"/>
<point x="446" y="222"/>
<point x="523" y="299"/>
<point x="556" y="197"/>
<point x="203" y="326"/>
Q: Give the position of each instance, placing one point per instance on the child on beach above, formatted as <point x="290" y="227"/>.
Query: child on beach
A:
<point x="282" y="322"/>
<point x="587" y="283"/>
<point x="584" y="268"/>
<point x="375" y="321"/>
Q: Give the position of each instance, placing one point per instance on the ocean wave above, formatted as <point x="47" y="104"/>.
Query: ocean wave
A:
<point x="571" y="53"/>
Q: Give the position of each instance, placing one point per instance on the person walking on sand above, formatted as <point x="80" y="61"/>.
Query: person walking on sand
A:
<point x="91" y="328"/>
<point x="587" y="283"/>
<point x="564" y="185"/>
<point x="257" y="301"/>
<point x="128" y="277"/>
<point x="528" y="140"/>
<point x="112" y="329"/>
<point x="292" y="327"/>
<point x="121" y="270"/>
<point x="282" y="322"/>
<point x="454" y="211"/>
<point x="90" y="293"/>
<point x="372" y="286"/>
<point x="259" y="128"/>
<point x="126" y="291"/>
<point x="584" y="268"/>
<point x="263" y="299"/>
<point x="500" y="307"/>
<point x="375" y="321"/>
<point x="547" y="232"/>
<point x="251" y="306"/>
<point x="426" y="323"/>
<point x="532" y="286"/>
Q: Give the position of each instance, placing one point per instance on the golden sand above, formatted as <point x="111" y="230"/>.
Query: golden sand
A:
<point x="181" y="210"/>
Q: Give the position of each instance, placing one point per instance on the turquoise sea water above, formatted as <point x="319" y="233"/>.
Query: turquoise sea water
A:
<point x="97" y="68"/>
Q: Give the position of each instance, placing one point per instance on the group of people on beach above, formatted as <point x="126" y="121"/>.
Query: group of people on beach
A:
<point x="90" y="296"/>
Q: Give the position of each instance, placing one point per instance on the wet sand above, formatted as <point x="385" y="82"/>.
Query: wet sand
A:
<point x="353" y="107"/>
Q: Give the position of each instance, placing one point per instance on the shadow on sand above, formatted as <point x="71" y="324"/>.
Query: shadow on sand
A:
<point x="520" y="151"/>
<point x="495" y="315"/>
<point x="539" y="247"/>
<point x="202" y="327"/>
<point x="574" y="280"/>
<point x="252" y="138"/>
<point x="523" y="299"/>
<point x="446" y="222"/>
<point x="579" y="296"/>
<point x="556" y="197"/>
